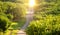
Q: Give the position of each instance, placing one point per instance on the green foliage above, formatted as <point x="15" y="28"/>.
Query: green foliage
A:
<point x="7" y="0"/>
<point x="10" y="16"/>
<point x="50" y="25"/>
<point x="15" y="9"/>
<point x="11" y="10"/>
<point x="5" y="15"/>
<point x="46" y="19"/>
<point x="4" y="23"/>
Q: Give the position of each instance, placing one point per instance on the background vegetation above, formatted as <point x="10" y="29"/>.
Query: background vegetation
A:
<point x="46" y="19"/>
<point x="12" y="16"/>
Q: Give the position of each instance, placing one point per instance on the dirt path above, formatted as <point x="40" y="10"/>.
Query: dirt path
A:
<point x="29" y="18"/>
<point x="21" y="32"/>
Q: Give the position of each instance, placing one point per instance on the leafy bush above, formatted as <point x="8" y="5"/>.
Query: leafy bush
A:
<point x="50" y="25"/>
<point x="4" y="23"/>
<point x="9" y="8"/>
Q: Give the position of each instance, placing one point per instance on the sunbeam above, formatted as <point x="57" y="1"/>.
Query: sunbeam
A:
<point x="31" y="3"/>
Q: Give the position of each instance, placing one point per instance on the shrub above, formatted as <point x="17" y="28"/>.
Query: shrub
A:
<point x="4" y="23"/>
<point x="48" y="26"/>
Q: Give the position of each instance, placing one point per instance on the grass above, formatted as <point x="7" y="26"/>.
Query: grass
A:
<point x="17" y="25"/>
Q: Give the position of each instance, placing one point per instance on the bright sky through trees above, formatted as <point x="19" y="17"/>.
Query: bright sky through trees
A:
<point x="31" y="3"/>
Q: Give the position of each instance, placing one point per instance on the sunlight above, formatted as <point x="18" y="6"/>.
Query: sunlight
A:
<point x="31" y="3"/>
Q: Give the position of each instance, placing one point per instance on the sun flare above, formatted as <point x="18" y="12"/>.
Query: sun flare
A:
<point x="31" y="3"/>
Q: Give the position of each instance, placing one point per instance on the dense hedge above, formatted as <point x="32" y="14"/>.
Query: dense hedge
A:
<point x="50" y="25"/>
